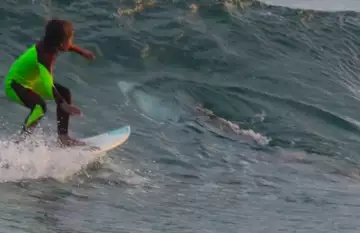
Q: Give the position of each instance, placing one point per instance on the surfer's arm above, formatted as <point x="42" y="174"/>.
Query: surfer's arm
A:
<point x="83" y="52"/>
<point x="58" y="98"/>
<point x="45" y="66"/>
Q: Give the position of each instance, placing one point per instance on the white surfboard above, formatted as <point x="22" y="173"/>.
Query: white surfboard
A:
<point x="83" y="156"/>
<point x="108" y="140"/>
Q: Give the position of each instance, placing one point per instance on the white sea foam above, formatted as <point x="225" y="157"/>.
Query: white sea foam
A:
<point x="319" y="5"/>
<point x="36" y="159"/>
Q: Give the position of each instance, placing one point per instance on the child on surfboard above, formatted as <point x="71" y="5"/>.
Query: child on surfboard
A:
<point x="29" y="81"/>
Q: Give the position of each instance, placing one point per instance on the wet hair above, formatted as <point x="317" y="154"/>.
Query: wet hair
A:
<point x="57" y="32"/>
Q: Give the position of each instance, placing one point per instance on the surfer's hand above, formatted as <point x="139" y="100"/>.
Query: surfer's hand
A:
<point x="72" y="110"/>
<point x="85" y="53"/>
<point x="75" y="111"/>
<point x="89" y="55"/>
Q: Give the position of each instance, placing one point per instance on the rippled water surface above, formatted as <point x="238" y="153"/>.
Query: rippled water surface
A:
<point x="244" y="118"/>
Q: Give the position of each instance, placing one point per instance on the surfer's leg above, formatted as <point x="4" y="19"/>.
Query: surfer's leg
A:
<point x="64" y="117"/>
<point x="32" y="101"/>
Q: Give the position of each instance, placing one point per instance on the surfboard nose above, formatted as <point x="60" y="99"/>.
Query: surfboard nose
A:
<point x="123" y="130"/>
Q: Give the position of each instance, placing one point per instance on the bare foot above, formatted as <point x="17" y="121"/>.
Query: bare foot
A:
<point x="66" y="140"/>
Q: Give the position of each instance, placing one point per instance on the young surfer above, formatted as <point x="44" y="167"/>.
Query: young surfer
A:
<point x="29" y="81"/>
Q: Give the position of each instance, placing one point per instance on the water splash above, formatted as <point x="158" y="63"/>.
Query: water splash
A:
<point x="39" y="158"/>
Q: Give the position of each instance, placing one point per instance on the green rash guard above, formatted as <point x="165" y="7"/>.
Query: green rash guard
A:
<point x="28" y="72"/>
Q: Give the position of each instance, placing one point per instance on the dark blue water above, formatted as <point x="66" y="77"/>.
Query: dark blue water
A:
<point x="244" y="118"/>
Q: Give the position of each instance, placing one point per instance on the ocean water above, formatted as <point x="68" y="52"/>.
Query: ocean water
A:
<point x="244" y="115"/>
